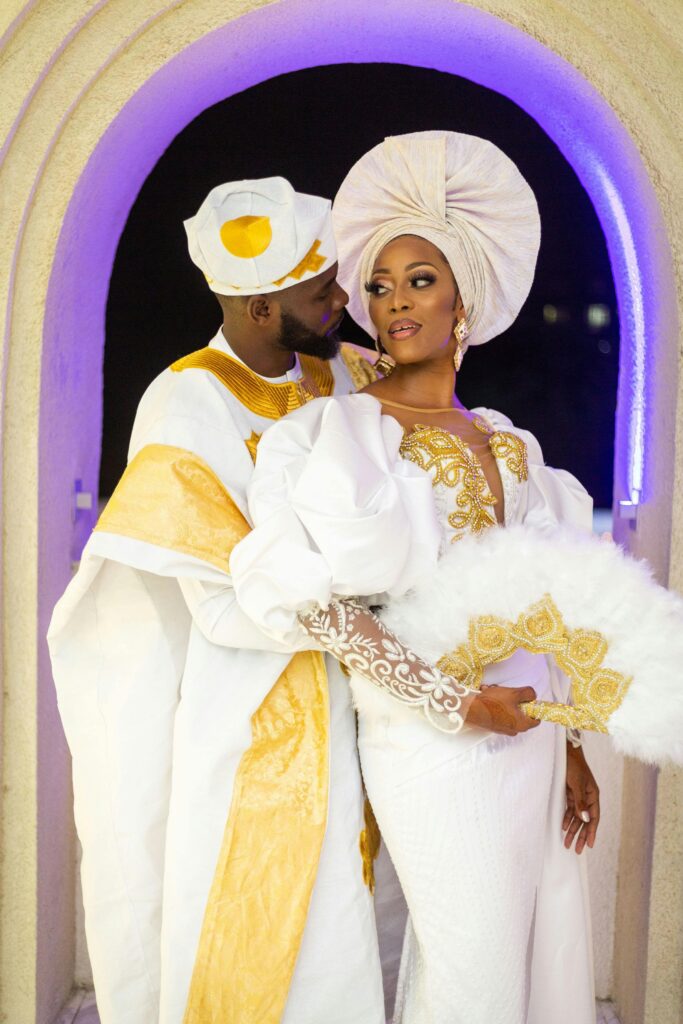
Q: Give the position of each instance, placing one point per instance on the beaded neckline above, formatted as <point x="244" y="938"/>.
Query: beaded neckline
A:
<point x="451" y="461"/>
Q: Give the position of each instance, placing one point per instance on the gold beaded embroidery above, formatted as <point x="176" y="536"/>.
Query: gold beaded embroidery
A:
<point x="512" y="450"/>
<point x="481" y="424"/>
<point x="506" y="446"/>
<point x="597" y="691"/>
<point x="453" y="464"/>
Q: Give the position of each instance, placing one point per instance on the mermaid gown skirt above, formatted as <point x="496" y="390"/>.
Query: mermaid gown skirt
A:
<point x="472" y="825"/>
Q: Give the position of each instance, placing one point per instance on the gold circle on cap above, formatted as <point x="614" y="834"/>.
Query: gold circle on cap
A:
<point x="246" y="237"/>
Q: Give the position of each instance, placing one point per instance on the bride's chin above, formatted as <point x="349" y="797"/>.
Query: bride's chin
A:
<point x="407" y="357"/>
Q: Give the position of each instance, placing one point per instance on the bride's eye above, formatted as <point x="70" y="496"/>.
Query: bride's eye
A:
<point x="422" y="279"/>
<point x="375" y="288"/>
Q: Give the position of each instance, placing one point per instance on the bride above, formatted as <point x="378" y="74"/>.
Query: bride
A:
<point x="354" y="499"/>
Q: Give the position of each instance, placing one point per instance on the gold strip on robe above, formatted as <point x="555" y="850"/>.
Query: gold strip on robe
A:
<point x="369" y="843"/>
<point x="261" y="890"/>
<point x="258" y="395"/>
<point x="171" y="498"/>
<point x="258" y="903"/>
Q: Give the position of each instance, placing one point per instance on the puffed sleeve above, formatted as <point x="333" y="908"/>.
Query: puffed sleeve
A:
<point x="551" y="497"/>
<point x="335" y="510"/>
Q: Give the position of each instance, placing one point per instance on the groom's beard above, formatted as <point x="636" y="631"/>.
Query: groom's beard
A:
<point x="297" y="337"/>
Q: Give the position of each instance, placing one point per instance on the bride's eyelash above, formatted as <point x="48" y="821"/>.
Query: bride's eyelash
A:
<point x="376" y="287"/>
<point x="423" y="275"/>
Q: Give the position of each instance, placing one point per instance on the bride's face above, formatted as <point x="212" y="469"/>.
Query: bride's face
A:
<point x="414" y="300"/>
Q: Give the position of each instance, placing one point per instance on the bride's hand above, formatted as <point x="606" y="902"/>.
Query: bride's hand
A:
<point x="498" y="708"/>
<point x="582" y="816"/>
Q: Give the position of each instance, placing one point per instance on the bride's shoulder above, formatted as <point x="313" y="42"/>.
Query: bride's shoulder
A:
<point x="499" y="422"/>
<point x="493" y="418"/>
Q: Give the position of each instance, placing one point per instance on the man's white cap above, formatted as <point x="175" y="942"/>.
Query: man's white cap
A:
<point x="253" y="237"/>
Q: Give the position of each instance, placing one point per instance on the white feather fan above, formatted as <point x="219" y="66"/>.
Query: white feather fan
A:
<point x="616" y="633"/>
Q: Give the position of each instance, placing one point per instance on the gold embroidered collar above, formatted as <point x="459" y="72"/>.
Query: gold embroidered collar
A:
<point x="256" y="393"/>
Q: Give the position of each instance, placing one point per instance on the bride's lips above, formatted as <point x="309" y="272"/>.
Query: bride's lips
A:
<point x="403" y="328"/>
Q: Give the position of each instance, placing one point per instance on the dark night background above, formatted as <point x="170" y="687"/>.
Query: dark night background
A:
<point x="551" y="372"/>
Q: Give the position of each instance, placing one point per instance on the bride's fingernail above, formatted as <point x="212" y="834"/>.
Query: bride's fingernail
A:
<point x="585" y="816"/>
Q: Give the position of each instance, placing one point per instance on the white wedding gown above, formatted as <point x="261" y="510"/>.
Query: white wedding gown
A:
<point x="498" y="929"/>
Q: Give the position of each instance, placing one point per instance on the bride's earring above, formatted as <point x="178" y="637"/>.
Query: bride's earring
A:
<point x="385" y="364"/>
<point x="460" y="331"/>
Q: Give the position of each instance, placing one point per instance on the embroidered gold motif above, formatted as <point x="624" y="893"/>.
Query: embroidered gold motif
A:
<point x="512" y="450"/>
<point x="370" y="840"/>
<point x="252" y="444"/>
<point x="361" y="370"/>
<point x="506" y="446"/>
<point x="259" y="396"/>
<point x="311" y="261"/>
<point x="481" y="424"/>
<point x="452" y="463"/>
<point x="597" y="691"/>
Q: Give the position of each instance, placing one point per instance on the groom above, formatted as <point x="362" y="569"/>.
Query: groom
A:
<point x="217" y="791"/>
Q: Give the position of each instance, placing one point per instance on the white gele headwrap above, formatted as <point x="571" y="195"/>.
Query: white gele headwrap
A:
<point x="254" y="237"/>
<point x="462" y="194"/>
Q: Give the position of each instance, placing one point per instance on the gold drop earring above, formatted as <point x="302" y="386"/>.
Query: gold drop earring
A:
<point x="460" y="331"/>
<point x="385" y="364"/>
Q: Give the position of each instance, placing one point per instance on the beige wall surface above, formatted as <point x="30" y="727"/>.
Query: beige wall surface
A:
<point x="67" y="68"/>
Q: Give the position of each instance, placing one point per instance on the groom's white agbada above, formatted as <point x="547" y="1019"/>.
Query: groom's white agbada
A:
<point x="217" y="791"/>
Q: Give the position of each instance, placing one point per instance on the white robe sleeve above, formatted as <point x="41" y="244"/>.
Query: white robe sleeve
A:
<point x="336" y="512"/>
<point x="216" y="613"/>
<point x="191" y="410"/>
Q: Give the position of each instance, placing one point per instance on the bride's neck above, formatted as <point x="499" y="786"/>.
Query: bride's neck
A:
<point x="427" y="385"/>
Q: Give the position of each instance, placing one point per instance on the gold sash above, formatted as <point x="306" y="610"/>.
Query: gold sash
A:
<point x="258" y="903"/>
<point x="259" y="899"/>
<point x="171" y="498"/>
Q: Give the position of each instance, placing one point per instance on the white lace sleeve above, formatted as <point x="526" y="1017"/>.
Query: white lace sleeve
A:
<point x="349" y="630"/>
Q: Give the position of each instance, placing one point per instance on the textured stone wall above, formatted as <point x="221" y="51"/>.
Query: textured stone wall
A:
<point x="67" y="68"/>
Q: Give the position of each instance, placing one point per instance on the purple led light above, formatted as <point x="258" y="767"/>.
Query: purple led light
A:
<point x="443" y="35"/>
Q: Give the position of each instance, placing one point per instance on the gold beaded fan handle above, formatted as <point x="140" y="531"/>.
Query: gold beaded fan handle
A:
<point x="597" y="691"/>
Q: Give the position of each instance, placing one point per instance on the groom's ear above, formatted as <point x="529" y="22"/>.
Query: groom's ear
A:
<point x="262" y="310"/>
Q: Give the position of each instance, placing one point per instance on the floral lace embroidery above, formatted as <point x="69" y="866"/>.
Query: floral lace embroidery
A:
<point x="348" y="630"/>
<point x="452" y="463"/>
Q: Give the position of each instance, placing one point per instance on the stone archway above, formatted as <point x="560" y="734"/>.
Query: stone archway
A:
<point x="93" y="98"/>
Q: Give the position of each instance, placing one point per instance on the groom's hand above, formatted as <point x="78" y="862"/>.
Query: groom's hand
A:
<point x="497" y="708"/>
